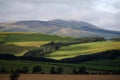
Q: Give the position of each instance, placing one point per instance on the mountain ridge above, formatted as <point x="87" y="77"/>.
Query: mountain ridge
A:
<point x="59" y="27"/>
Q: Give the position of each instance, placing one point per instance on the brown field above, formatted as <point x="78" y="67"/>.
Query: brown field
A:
<point x="61" y="77"/>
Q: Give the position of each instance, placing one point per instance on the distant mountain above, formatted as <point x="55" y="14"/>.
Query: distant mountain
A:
<point x="59" y="27"/>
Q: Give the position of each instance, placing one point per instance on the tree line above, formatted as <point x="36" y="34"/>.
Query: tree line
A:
<point x="55" y="70"/>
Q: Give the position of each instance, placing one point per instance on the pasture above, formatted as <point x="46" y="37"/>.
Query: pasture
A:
<point x="97" y="65"/>
<point x="22" y="37"/>
<point x="19" y="48"/>
<point x="83" y="49"/>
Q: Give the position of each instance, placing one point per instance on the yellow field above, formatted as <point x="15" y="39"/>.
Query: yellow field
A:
<point x="30" y="43"/>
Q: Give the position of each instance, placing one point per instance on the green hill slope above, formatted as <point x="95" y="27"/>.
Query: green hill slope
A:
<point x="82" y="49"/>
<point x="25" y="36"/>
<point x="19" y="42"/>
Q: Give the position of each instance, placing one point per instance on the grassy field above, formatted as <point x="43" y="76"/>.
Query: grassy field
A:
<point x="61" y="77"/>
<point x="100" y="65"/>
<point x="20" y="42"/>
<point x="22" y="37"/>
<point x="30" y="43"/>
<point x="82" y="49"/>
<point x="19" y="48"/>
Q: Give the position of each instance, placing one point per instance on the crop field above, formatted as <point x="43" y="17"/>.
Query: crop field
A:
<point x="82" y="49"/>
<point x="61" y="77"/>
<point x="19" y="48"/>
<point x="30" y="43"/>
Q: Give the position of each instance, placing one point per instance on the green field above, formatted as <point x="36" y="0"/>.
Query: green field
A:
<point x="82" y="49"/>
<point x="100" y="65"/>
<point x="22" y="37"/>
<point x="19" y="48"/>
<point x="20" y="42"/>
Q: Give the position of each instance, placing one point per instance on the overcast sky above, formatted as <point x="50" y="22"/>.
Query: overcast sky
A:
<point x="103" y="13"/>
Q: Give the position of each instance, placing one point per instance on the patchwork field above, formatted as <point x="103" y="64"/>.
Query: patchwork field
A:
<point x="82" y="49"/>
<point x="61" y="77"/>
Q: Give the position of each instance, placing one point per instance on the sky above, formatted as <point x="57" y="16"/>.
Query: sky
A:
<point x="102" y="13"/>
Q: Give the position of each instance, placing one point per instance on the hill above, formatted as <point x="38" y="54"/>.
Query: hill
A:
<point x="20" y="42"/>
<point x="25" y="36"/>
<point x="59" y="27"/>
<point x="83" y="49"/>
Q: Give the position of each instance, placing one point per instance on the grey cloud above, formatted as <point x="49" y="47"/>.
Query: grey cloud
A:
<point x="80" y="10"/>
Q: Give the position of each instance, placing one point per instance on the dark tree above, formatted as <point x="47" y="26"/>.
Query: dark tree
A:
<point x="25" y="70"/>
<point x="82" y="70"/>
<point x="59" y="70"/>
<point x="3" y="70"/>
<point x="74" y="71"/>
<point x="37" y="69"/>
<point x="18" y="70"/>
<point x="52" y="70"/>
<point x="14" y="76"/>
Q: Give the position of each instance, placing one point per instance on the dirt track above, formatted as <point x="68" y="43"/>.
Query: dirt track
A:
<point x="61" y="77"/>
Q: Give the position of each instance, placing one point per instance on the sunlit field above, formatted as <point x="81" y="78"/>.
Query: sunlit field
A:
<point x="82" y="49"/>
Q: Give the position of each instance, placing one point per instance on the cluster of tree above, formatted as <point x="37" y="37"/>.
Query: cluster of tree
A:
<point x="54" y="70"/>
<point x="59" y="70"/>
<point x="24" y="70"/>
<point x="14" y="76"/>
<point x="82" y="70"/>
<point x="43" y="50"/>
<point x="115" y="39"/>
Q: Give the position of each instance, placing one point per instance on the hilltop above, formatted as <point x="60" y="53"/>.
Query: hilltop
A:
<point x="59" y="27"/>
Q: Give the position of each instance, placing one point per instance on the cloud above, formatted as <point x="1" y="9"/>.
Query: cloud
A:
<point x="103" y="13"/>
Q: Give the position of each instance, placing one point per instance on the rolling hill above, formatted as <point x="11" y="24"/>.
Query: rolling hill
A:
<point x="59" y="27"/>
<point x="20" y="42"/>
<point x="83" y="49"/>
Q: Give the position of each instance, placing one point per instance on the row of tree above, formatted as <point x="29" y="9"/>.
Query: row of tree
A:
<point x="43" y="50"/>
<point x="56" y="70"/>
<point x="38" y="69"/>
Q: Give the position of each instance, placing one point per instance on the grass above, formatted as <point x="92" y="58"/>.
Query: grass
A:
<point x="100" y="65"/>
<point x="19" y="48"/>
<point x="30" y="43"/>
<point x="22" y="37"/>
<point x="82" y="49"/>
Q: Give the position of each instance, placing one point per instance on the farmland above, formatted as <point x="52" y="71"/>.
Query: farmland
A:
<point x="19" y="48"/>
<point x="19" y="43"/>
<point x="97" y="65"/>
<point x="82" y="49"/>
<point x="62" y="77"/>
<point x="22" y="37"/>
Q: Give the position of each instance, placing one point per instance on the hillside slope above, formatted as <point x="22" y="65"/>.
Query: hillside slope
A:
<point x="83" y="49"/>
<point x="25" y="36"/>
